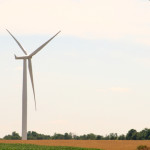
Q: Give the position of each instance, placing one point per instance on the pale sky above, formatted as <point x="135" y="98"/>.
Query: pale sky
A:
<point x="94" y="77"/>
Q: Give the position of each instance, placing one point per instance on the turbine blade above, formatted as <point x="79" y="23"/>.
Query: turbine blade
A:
<point x="17" y="43"/>
<point x="38" y="49"/>
<point x="31" y="76"/>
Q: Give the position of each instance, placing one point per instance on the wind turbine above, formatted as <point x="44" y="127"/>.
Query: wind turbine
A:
<point x="24" y="87"/>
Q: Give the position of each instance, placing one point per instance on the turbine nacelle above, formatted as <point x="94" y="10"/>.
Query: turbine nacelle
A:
<point x="23" y="57"/>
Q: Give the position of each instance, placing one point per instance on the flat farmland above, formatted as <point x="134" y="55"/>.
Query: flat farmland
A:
<point x="101" y="144"/>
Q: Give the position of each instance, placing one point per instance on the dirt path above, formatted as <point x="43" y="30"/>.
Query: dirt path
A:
<point x="103" y="144"/>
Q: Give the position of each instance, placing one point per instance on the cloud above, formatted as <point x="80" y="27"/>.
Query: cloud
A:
<point x="89" y="19"/>
<point x="19" y="68"/>
<point x="119" y="89"/>
<point x="71" y="54"/>
<point x="143" y="40"/>
<point x="113" y="89"/>
<point x="58" y="122"/>
<point x="143" y="61"/>
<point x="101" y="90"/>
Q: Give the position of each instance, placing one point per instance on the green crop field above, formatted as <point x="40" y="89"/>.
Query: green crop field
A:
<point x="4" y="146"/>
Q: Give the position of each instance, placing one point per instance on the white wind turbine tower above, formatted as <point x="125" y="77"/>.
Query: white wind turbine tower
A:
<point x="24" y="87"/>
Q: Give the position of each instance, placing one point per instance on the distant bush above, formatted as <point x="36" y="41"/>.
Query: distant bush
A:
<point x="13" y="136"/>
<point x="142" y="147"/>
<point x="132" y="134"/>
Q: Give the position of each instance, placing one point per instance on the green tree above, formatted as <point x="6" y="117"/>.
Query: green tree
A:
<point x="113" y="136"/>
<point x="58" y="136"/>
<point x="32" y="135"/>
<point x="13" y="136"/>
<point x="99" y="137"/>
<point x="144" y="134"/>
<point x="132" y="135"/>
<point x="122" y="137"/>
<point x="91" y="136"/>
<point x="83" y="137"/>
<point x="68" y="136"/>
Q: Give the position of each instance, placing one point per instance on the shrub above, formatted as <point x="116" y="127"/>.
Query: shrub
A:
<point x="142" y="147"/>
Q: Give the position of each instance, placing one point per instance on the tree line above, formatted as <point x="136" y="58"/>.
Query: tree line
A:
<point x="131" y="135"/>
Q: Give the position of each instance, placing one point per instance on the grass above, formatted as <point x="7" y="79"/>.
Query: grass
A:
<point x="4" y="146"/>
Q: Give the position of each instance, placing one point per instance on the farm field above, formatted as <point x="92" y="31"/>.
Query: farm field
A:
<point x="99" y="144"/>
<point x="7" y="146"/>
